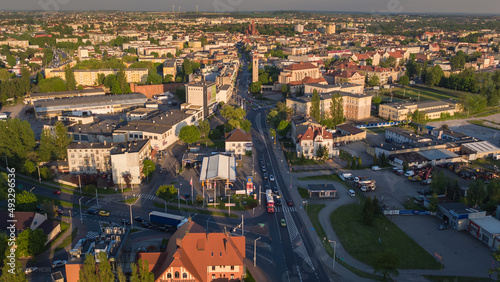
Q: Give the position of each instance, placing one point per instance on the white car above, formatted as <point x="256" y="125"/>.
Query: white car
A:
<point x="376" y="167"/>
<point x="58" y="263"/>
<point x="30" y="269"/>
<point x="351" y="193"/>
<point x="271" y="177"/>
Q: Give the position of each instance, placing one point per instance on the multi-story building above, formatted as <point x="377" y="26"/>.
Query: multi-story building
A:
<point x="127" y="161"/>
<point x="162" y="128"/>
<point x="170" y="68"/>
<point x="89" y="77"/>
<point x="328" y="88"/>
<point x="89" y="157"/>
<point x="204" y="94"/>
<point x="347" y="76"/>
<point x="195" y="255"/>
<point x="356" y="106"/>
<point x="308" y="142"/>
<point x="238" y="141"/>
<point x="297" y="72"/>
<point x="403" y="110"/>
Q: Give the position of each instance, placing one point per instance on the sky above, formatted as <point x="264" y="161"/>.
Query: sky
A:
<point x="370" y="6"/>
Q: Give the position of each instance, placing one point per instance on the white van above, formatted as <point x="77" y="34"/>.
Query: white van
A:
<point x="410" y="173"/>
<point x="351" y="193"/>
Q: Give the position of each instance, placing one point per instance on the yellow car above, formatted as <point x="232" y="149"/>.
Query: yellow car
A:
<point x="104" y="213"/>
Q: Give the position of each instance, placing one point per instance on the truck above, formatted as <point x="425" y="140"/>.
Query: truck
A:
<point x="165" y="219"/>
<point x="345" y="176"/>
<point x="270" y="201"/>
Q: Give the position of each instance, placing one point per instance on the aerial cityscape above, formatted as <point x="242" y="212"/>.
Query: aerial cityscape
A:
<point x="237" y="140"/>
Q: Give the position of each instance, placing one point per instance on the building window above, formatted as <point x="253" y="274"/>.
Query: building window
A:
<point x="232" y="267"/>
<point x="232" y="276"/>
<point x="176" y="275"/>
<point x="213" y="267"/>
<point x="169" y="275"/>
<point x="184" y="275"/>
<point x="213" y="276"/>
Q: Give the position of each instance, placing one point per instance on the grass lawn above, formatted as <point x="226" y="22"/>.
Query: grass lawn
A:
<point x="304" y="193"/>
<point x="439" y="278"/>
<point x="59" y="202"/>
<point x="330" y="177"/>
<point x="213" y="213"/>
<point x="67" y="241"/>
<point x="249" y="277"/>
<point x="366" y="242"/>
<point x="294" y="160"/>
<point x="312" y="212"/>
<point x="129" y="201"/>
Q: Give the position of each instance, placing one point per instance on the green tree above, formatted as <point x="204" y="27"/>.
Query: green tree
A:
<point x="119" y="274"/>
<point x="10" y="274"/>
<point x="476" y="193"/>
<point x="46" y="148"/>
<point x="154" y="79"/>
<point x="204" y="127"/>
<point x="121" y="78"/>
<point x="434" y="75"/>
<point x="186" y="68"/>
<point x="227" y="112"/>
<point x="16" y="139"/>
<point x="25" y="80"/>
<point x="255" y="87"/>
<point x="404" y="80"/>
<point x="26" y="201"/>
<point x="283" y="127"/>
<point x="89" y="271"/>
<point x="360" y="165"/>
<point x="314" y="111"/>
<point x="272" y="132"/>
<point x="70" y="78"/>
<point x="418" y="116"/>
<point x="4" y="74"/>
<point x="166" y="192"/>
<point x="189" y="134"/>
<point x="368" y="212"/>
<point x="144" y="273"/>
<point x="29" y="167"/>
<point x="386" y="263"/>
<point x="104" y="268"/>
<point x="284" y="90"/>
<point x="11" y="60"/>
<point x="245" y="125"/>
<point x="374" y="81"/>
<point x="337" y="110"/>
<point x="458" y="61"/>
<point x="148" y="167"/>
<point x="376" y="100"/>
<point x="61" y="140"/>
<point x="31" y="242"/>
<point x="134" y="277"/>
<point x="168" y="78"/>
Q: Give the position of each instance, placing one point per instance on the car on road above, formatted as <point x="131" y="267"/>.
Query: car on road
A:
<point x="162" y="228"/>
<point x="289" y="203"/>
<point x="283" y="222"/>
<point x="271" y="177"/>
<point x="442" y="227"/>
<point x="92" y="211"/>
<point x="139" y="219"/>
<point x="30" y="269"/>
<point x="126" y="221"/>
<point x="58" y="263"/>
<point x="263" y="168"/>
<point x="376" y="167"/>
<point x="277" y="201"/>
<point x="57" y="192"/>
<point x="275" y="190"/>
<point x="265" y="176"/>
<point x="104" y="213"/>
<point x="146" y="225"/>
<point x="60" y="211"/>
<point x="351" y="193"/>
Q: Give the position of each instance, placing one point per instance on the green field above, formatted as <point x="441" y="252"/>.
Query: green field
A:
<point x="426" y="93"/>
<point x="365" y="242"/>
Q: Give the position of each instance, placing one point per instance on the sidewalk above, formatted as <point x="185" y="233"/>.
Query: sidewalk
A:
<point x="74" y="223"/>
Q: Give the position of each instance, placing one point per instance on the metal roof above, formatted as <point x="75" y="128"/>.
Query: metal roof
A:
<point x="437" y="154"/>
<point x="488" y="223"/>
<point x="218" y="167"/>
<point x="482" y="147"/>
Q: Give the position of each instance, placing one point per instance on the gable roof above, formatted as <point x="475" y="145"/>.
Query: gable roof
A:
<point x="313" y="132"/>
<point x="301" y="66"/>
<point x="238" y="135"/>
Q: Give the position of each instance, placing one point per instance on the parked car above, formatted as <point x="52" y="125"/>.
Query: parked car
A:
<point x="92" y="211"/>
<point x="275" y="190"/>
<point x="30" y="269"/>
<point x="104" y="213"/>
<point x="376" y="167"/>
<point x="271" y="177"/>
<point x="57" y="192"/>
<point x="139" y="219"/>
<point x="58" y="263"/>
<point x="146" y="225"/>
<point x="126" y="221"/>
<point x="351" y="193"/>
<point x="265" y="176"/>
<point x="283" y="222"/>
<point x="442" y="227"/>
<point x="263" y="168"/>
<point x="277" y="201"/>
<point x="162" y="228"/>
<point x="60" y="211"/>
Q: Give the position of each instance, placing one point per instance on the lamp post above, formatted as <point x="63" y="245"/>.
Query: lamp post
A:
<point x="39" y="178"/>
<point x="179" y="198"/>
<point x="255" y="251"/>
<point x="32" y="188"/>
<point x="334" y="248"/>
<point x="80" y="183"/>
<point x="80" y="203"/>
<point x="131" y="222"/>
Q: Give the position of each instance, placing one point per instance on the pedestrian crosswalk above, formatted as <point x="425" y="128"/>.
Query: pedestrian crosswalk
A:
<point x="147" y="196"/>
<point x="285" y="209"/>
<point x="91" y="235"/>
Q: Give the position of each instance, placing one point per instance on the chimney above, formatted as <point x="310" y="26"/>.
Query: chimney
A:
<point x="178" y="242"/>
<point x="104" y="142"/>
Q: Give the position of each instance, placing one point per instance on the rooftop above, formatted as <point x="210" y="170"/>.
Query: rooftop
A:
<point x="321" y="187"/>
<point x="84" y="102"/>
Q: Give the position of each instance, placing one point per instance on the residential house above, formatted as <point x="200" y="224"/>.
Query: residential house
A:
<point x="238" y="141"/>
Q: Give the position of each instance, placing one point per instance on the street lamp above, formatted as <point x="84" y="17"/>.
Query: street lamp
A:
<point x="130" y="205"/>
<point x="80" y="203"/>
<point x="255" y="251"/>
<point x="80" y="183"/>
<point x="32" y="189"/>
<point x="334" y="248"/>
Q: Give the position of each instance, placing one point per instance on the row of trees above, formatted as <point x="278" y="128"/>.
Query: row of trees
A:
<point x="14" y="88"/>
<point x="101" y="271"/>
<point x="335" y="115"/>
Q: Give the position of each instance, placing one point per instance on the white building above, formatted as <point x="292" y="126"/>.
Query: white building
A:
<point x="127" y="161"/>
<point x="238" y="141"/>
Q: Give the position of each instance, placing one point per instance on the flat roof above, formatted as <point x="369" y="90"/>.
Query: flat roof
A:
<point x="437" y="154"/>
<point x="84" y="102"/>
<point x="482" y="147"/>
<point x="488" y="223"/>
<point x="91" y="91"/>
<point x="321" y="187"/>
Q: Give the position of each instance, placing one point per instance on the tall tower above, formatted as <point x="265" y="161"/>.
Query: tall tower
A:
<point x="330" y="29"/>
<point x="255" y="67"/>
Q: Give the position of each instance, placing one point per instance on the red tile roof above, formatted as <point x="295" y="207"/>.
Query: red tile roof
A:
<point x="301" y="66"/>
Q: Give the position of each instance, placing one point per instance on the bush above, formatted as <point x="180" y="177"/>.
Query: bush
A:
<point x="45" y="173"/>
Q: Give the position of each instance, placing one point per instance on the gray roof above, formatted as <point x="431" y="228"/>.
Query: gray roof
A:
<point x="85" y="92"/>
<point x="129" y="147"/>
<point x="488" y="223"/>
<point x="321" y="187"/>
<point x="437" y="154"/>
<point x="482" y="147"/>
<point x="218" y="167"/>
<point x="82" y="102"/>
<point x="158" y="122"/>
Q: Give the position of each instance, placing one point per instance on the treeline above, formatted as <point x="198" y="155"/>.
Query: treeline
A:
<point x="15" y="88"/>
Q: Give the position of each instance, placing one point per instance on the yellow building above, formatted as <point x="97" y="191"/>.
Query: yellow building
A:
<point x="89" y="77"/>
<point x="432" y="109"/>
